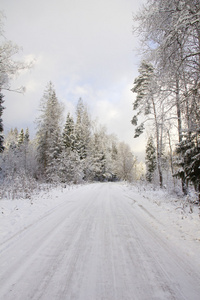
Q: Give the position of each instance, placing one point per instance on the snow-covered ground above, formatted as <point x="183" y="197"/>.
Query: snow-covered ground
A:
<point x="99" y="241"/>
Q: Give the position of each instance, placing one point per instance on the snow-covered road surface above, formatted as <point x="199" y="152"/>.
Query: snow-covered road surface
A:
<point x="98" y="243"/>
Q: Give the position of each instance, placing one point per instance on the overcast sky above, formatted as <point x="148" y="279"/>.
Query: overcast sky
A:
<point x="86" y="48"/>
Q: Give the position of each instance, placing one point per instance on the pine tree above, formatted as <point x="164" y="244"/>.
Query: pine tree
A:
<point x="150" y="159"/>
<point x="1" y="123"/>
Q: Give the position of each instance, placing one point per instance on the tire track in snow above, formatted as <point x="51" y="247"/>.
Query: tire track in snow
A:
<point x="173" y="274"/>
<point x="99" y="247"/>
<point x="28" y="256"/>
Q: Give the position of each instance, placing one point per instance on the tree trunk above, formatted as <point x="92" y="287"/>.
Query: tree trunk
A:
<point x="158" y="149"/>
<point x="171" y="156"/>
<point x="180" y="136"/>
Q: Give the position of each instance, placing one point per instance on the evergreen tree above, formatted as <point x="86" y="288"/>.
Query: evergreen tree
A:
<point x="82" y="130"/>
<point x="150" y="159"/>
<point x="26" y="136"/>
<point x="97" y="166"/>
<point x="11" y="139"/>
<point x="70" y="169"/>
<point x="49" y="133"/>
<point x="147" y="103"/>
<point x="1" y="123"/>
<point x="68" y="136"/>
<point x="188" y="151"/>
<point x="21" y="137"/>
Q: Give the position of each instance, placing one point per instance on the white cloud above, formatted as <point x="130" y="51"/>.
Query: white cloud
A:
<point x="85" y="48"/>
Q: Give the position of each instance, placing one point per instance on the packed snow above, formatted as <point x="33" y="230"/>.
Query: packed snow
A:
<point x="99" y="241"/>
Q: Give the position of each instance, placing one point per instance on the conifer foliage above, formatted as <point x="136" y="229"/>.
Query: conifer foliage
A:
<point x="150" y="159"/>
<point x="78" y="150"/>
<point x="168" y="85"/>
<point x="49" y="133"/>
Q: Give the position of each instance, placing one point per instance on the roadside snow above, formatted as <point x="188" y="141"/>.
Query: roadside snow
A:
<point x="178" y="220"/>
<point x="99" y="241"/>
<point x="17" y="215"/>
<point x="166" y="213"/>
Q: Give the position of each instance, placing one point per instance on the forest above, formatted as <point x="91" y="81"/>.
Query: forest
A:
<point x="167" y="88"/>
<point x="80" y="151"/>
<point x="74" y="149"/>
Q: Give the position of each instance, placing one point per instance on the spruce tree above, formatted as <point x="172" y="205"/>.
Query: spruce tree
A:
<point x="49" y="134"/>
<point x="150" y="159"/>
<point x="68" y="137"/>
<point x="97" y="167"/>
<point x="21" y="137"/>
<point x="188" y="151"/>
<point x="82" y="130"/>
<point x="26" y="136"/>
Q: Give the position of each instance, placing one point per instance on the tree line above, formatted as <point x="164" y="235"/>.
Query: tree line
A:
<point x="72" y="152"/>
<point x="77" y="151"/>
<point x="167" y="88"/>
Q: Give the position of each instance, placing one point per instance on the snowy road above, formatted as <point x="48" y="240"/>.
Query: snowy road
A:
<point x="95" y="245"/>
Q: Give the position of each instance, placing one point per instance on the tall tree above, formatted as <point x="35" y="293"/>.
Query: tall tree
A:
<point x="146" y="103"/>
<point x="68" y="136"/>
<point x="8" y="69"/>
<point x="49" y="133"/>
<point x="82" y="129"/>
<point x="97" y="161"/>
<point x="150" y="159"/>
<point x="170" y="34"/>
<point x="21" y="137"/>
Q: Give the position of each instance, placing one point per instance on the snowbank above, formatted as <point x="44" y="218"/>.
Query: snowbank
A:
<point x="175" y="217"/>
<point x="18" y="214"/>
<point x="167" y="214"/>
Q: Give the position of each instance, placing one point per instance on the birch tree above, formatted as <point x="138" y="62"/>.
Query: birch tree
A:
<point x="9" y="69"/>
<point x="170" y="36"/>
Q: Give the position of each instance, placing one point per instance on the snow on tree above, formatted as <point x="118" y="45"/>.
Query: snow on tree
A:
<point x="82" y="129"/>
<point x="26" y="136"/>
<point x="146" y="103"/>
<point x="8" y="69"/>
<point x="150" y="159"/>
<point x="21" y="137"/>
<point x="83" y="136"/>
<point x="70" y="167"/>
<point x="49" y="133"/>
<point x="18" y="166"/>
<point x="189" y="161"/>
<point x="1" y="123"/>
<point x="97" y="165"/>
<point x="68" y="136"/>
<point x="170" y="39"/>
<point x="8" y="66"/>
<point x="125" y="162"/>
<point x="11" y="138"/>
